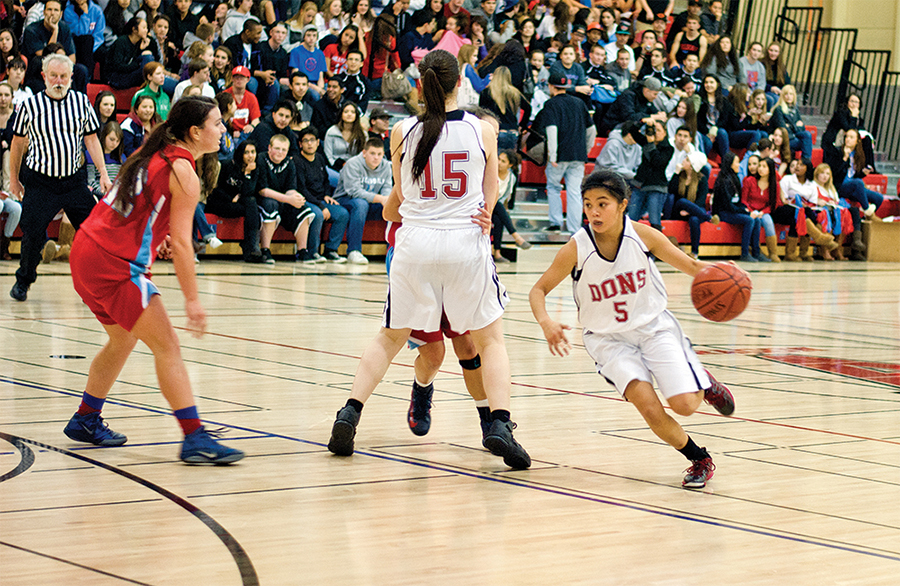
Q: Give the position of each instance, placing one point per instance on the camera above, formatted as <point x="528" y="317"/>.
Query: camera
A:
<point x="649" y="129"/>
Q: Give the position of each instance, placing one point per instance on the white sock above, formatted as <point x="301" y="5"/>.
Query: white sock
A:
<point x="421" y="384"/>
<point x="482" y="403"/>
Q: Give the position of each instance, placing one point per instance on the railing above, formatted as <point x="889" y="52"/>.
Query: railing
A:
<point x="797" y="30"/>
<point x="830" y="50"/>
<point x="756" y="22"/>
<point x="885" y="124"/>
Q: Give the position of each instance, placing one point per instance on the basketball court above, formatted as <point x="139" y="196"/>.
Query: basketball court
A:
<point x="805" y="492"/>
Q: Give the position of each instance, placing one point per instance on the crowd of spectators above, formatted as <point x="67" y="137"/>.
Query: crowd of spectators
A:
<point x="294" y="81"/>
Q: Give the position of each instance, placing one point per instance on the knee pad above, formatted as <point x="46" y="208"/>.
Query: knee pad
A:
<point x="471" y="363"/>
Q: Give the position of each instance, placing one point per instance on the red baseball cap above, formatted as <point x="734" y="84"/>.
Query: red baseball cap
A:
<point x="594" y="26"/>
<point x="241" y="70"/>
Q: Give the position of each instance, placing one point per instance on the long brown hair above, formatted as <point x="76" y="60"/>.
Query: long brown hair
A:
<point x="859" y="155"/>
<point x="357" y="134"/>
<point x="503" y="92"/>
<point x="774" y="69"/>
<point x="440" y="74"/>
<point x="738" y="97"/>
<point x="184" y="115"/>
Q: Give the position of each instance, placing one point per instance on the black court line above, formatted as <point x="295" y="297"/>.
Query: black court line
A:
<point x="26" y="460"/>
<point x="71" y="563"/>
<point x="245" y="566"/>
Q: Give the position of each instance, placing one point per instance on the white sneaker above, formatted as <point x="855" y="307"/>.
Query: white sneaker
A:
<point x="355" y="257"/>
<point x="870" y="211"/>
<point x="213" y="242"/>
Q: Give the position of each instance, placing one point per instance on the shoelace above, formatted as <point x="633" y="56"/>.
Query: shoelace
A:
<point x="420" y="406"/>
<point x="217" y="432"/>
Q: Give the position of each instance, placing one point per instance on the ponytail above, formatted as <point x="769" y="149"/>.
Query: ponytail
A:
<point x="440" y="74"/>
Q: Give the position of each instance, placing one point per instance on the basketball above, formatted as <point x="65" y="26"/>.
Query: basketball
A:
<point x="721" y="292"/>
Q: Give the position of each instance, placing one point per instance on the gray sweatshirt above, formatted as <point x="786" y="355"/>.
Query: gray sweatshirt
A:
<point x="619" y="156"/>
<point x="358" y="180"/>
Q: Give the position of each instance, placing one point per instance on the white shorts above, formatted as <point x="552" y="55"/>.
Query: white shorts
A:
<point x="659" y="349"/>
<point x="443" y="271"/>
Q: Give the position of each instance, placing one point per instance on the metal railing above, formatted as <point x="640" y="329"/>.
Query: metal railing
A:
<point x="886" y="119"/>
<point x="756" y="22"/>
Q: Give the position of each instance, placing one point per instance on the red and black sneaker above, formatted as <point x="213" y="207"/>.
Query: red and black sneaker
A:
<point x="699" y="473"/>
<point x="719" y="396"/>
<point x="419" y="414"/>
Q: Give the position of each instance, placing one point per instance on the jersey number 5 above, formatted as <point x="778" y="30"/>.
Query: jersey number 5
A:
<point x="454" y="184"/>
<point x="621" y="310"/>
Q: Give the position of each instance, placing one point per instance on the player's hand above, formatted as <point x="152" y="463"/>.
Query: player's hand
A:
<point x="164" y="251"/>
<point x="483" y="219"/>
<point x="556" y="337"/>
<point x="196" y="318"/>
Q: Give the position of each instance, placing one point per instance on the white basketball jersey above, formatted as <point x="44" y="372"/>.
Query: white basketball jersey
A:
<point x="448" y="193"/>
<point x="620" y="294"/>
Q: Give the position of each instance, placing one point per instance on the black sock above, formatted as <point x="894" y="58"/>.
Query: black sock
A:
<point x="693" y="452"/>
<point x="501" y="414"/>
<point x="357" y="406"/>
<point x="484" y="413"/>
<point x="301" y="252"/>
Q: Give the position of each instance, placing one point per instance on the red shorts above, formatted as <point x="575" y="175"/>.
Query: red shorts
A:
<point x="419" y="338"/>
<point x="115" y="290"/>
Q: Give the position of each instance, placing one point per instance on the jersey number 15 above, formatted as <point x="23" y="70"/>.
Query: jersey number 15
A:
<point x="454" y="184"/>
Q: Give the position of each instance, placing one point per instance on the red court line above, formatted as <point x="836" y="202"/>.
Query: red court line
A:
<point x="565" y="391"/>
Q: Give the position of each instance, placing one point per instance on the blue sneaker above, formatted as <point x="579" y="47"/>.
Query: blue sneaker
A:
<point x="91" y="429"/>
<point x="200" y="448"/>
<point x="500" y="442"/>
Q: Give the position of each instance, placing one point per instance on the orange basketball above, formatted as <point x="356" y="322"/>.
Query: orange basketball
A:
<point x="721" y="291"/>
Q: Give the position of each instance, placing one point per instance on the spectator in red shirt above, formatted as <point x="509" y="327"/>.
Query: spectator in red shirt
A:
<point x="246" y="116"/>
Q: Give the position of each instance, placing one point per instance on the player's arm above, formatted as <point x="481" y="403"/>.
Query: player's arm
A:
<point x="490" y="186"/>
<point x="562" y="266"/>
<point x="396" y="142"/>
<point x="665" y="251"/>
<point x="185" y="188"/>
<point x="391" y="209"/>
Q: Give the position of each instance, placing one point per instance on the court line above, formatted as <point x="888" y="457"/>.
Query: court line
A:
<point x="26" y="460"/>
<point x="245" y="566"/>
<point x="71" y="563"/>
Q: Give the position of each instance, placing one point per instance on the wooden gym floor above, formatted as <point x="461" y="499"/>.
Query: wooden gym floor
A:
<point x="806" y="490"/>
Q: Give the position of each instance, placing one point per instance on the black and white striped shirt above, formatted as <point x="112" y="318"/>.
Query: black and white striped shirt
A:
<point x="55" y="130"/>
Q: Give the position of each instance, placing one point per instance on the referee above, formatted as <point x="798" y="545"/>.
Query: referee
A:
<point x="51" y="127"/>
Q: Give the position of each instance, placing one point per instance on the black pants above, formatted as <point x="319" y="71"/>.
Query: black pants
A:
<point x="44" y="198"/>
<point x="220" y="204"/>
<point x="500" y="219"/>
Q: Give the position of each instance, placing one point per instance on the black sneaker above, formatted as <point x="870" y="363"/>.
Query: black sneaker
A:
<point x="254" y="258"/>
<point x="91" y="429"/>
<point x="719" y="396"/>
<point x="343" y="431"/>
<point x="19" y="292"/>
<point x="267" y="256"/>
<point x="419" y="414"/>
<point x="552" y="228"/>
<point x="333" y="256"/>
<point x="499" y="440"/>
<point x="699" y="473"/>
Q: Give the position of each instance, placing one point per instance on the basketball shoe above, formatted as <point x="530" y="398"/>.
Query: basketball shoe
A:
<point x="499" y="440"/>
<point x="199" y="447"/>
<point x="343" y="431"/>
<point x="419" y="415"/>
<point x="92" y="429"/>
<point x="719" y="396"/>
<point x="699" y="473"/>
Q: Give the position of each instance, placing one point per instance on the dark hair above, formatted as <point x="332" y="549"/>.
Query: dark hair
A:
<point x="727" y="174"/>
<point x="609" y="181"/>
<point x="481" y="113"/>
<point x="298" y="74"/>
<point x="721" y="58"/>
<point x="440" y="73"/>
<point x="859" y="155"/>
<point x="421" y="17"/>
<point x="187" y="113"/>
<point x="112" y="127"/>
<point x="99" y="99"/>
<point x="310" y="129"/>
<point x="690" y="116"/>
<point x="374" y="143"/>
<point x="810" y="172"/>
<point x="196" y="66"/>
<point x="224" y="99"/>
<point x="512" y="156"/>
<point x="115" y="17"/>
<point x="14" y="52"/>
<point x="773" y="181"/>
<point x="249" y="25"/>
<point x="132" y="25"/>
<point x="286" y="105"/>
<point x="238" y="157"/>
<point x="18" y="63"/>
<point x="51" y="48"/>
<point x="355" y="45"/>
<point x="357" y="52"/>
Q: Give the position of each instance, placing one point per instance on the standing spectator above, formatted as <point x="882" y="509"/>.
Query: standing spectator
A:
<point x="246" y="114"/>
<point x="786" y="114"/>
<point x="198" y="72"/>
<point x="312" y="182"/>
<point x="565" y="121"/>
<point x="235" y="197"/>
<point x="51" y="30"/>
<point x="753" y="69"/>
<point x="140" y="122"/>
<point x="272" y="69"/>
<point x="363" y="188"/>
<point x="86" y="21"/>
<point x="354" y="83"/>
<point x="53" y="174"/>
<point x="154" y="78"/>
<point x="310" y="60"/>
<point x="506" y="103"/>
<point x="722" y="61"/>
<point x="128" y="56"/>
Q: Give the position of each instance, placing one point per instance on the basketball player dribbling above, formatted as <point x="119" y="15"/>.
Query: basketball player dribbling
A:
<point x="628" y="331"/>
<point x="442" y="264"/>
<point x="157" y="189"/>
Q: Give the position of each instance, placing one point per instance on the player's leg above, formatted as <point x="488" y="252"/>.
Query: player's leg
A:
<point x="155" y="330"/>
<point x="372" y="367"/>
<point x="87" y="425"/>
<point x="495" y="372"/>
<point x="427" y="364"/>
<point x="470" y="361"/>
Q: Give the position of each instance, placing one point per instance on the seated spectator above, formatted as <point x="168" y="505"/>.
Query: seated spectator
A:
<point x="507" y="104"/>
<point x="245" y="47"/>
<point x="278" y="122"/>
<point x="298" y="93"/>
<point x="618" y="70"/>
<point x="363" y="188"/>
<point x="343" y="140"/>
<point x="310" y="60"/>
<point x="208" y="169"/>
<point x="168" y="52"/>
<point x="643" y="47"/>
<point x="141" y="120"/>
<point x="836" y="211"/>
<point x="353" y="82"/>
<point x="182" y="20"/>
<point x="742" y="131"/>
<point x="798" y="189"/>
<point x="86" y="21"/>
<point x="235" y="197"/>
<point x="753" y="70"/>
<point x="149" y="10"/>
<point x="227" y="143"/>
<point x="759" y="194"/>
<point x="786" y="114"/>
<point x="9" y="50"/>
<point x="205" y="33"/>
<point x="776" y="75"/>
<point x="198" y="72"/>
<point x="15" y="77"/>
<point x="781" y="150"/>
<point x="418" y="37"/>
<point x="362" y="15"/>
<point x="689" y="185"/>
<point x="507" y="160"/>
<point x="714" y="24"/>
<point x="272" y="69"/>
<point x="760" y="117"/>
<point x="635" y="103"/>
<point x="846" y="117"/>
<point x="220" y="72"/>
<point x="336" y="53"/>
<point x="688" y="42"/>
<point x="722" y="61"/>
<point x="116" y="15"/>
<point x="714" y="109"/>
<point x="679" y="23"/>
<point x="246" y="114"/>
<point x="656" y="152"/>
<point x="381" y="43"/>
<point x="471" y="85"/>
<point x="331" y="19"/>
<point x="297" y="24"/>
<point x="646" y="12"/>
<point x="279" y="201"/>
<point x="574" y="72"/>
<point x="623" y="33"/>
<point x="726" y="203"/>
<point x="689" y="69"/>
<point x="655" y="66"/>
<point x="327" y="111"/>
<point x="154" y="78"/>
<point x="312" y="182"/>
<point x="9" y="203"/>
<point x="128" y="56"/>
<point x="105" y="107"/>
<point x="379" y="127"/>
<point x="849" y="166"/>
<point x="755" y="153"/>
<point x="236" y="20"/>
<point x="112" y="141"/>
<point x="35" y="40"/>
<point x="621" y="153"/>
